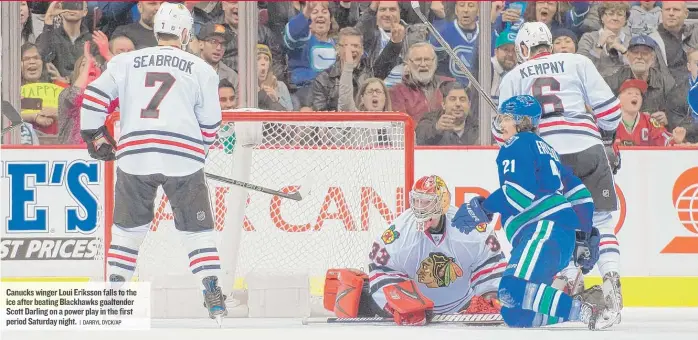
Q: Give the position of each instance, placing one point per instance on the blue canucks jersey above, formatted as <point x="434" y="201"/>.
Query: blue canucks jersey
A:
<point x="534" y="186"/>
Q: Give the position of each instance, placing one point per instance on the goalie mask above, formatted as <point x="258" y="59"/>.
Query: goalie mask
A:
<point x="429" y="200"/>
<point x="174" y="19"/>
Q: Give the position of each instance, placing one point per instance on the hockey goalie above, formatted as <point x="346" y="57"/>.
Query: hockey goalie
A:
<point x="422" y="265"/>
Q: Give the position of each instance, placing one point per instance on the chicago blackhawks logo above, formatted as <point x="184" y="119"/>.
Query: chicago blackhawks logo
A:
<point x="438" y="270"/>
<point x="390" y="235"/>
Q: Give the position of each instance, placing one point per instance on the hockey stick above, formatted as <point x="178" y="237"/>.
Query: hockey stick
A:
<point x="296" y="196"/>
<point x="11" y="113"/>
<point x="454" y="56"/>
<point x="463" y="319"/>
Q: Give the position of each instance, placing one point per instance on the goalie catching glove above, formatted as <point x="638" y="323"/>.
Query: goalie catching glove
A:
<point x="100" y="144"/>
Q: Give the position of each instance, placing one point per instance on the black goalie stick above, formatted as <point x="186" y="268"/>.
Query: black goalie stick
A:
<point x="462" y="319"/>
<point x="296" y="196"/>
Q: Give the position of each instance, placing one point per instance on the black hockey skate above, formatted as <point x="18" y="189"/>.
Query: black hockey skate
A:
<point x="214" y="300"/>
<point x="595" y="312"/>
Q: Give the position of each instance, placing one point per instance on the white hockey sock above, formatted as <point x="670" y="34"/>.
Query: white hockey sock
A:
<point x="203" y="255"/>
<point x="609" y="249"/>
<point x="123" y="252"/>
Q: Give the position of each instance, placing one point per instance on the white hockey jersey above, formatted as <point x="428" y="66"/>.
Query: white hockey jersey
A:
<point x="169" y="109"/>
<point x="449" y="268"/>
<point x="564" y="84"/>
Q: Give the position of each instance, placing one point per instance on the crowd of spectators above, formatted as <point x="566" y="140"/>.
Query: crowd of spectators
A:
<point x="370" y="56"/>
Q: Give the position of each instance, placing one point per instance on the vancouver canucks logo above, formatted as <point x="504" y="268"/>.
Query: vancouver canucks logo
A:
<point x="438" y="270"/>
<point x="390" y="235"/>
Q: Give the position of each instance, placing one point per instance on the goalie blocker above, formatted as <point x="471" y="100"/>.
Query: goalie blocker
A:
<point x="347" y="295"/>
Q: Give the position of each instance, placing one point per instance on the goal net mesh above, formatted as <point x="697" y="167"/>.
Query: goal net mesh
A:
<point x="352" y="173"/>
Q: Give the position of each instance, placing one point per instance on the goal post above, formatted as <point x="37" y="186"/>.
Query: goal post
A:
<point x="357" y="168"/>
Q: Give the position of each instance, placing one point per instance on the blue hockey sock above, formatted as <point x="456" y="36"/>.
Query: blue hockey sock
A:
<point x="540" y="298"/>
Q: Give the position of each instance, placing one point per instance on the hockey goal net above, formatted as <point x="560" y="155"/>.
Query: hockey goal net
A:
<point x="353" y="168"/>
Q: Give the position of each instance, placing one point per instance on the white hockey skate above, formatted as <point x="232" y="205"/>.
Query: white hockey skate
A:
<point x="214" y="300"/>
<point x="612" y="296"/>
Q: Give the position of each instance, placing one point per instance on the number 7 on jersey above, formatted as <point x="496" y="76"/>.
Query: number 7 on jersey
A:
<point x="166" y="81"/>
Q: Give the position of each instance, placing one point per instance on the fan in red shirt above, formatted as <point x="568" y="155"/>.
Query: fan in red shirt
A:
<point x="639" y="128"/>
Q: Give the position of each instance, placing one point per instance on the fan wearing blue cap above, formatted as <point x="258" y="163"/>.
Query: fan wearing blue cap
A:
<point x="540" y="223"/>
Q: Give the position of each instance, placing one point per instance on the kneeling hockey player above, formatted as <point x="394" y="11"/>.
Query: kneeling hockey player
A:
<point x="422" y="265"/>
<point x="542" y="205"/>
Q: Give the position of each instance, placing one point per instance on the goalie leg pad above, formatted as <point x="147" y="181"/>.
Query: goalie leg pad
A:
<point x="342" y="292"/>
<point x="407" y="304"/>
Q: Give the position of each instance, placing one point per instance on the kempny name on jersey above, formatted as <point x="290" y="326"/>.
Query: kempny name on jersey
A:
<point x="543" y="68"/>
<point x="163" y="60"/>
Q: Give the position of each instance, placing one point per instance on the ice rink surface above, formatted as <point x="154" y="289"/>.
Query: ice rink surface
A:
<point x="638" y="323"/>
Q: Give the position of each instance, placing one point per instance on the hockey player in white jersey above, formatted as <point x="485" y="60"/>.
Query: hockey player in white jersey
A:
<point x="170" y="115"/>
<point x="422" y="265"/>
<point x="565" y="84"/>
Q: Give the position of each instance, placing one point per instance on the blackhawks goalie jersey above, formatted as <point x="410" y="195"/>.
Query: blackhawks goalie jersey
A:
<point x="169" y="106"/>
<point x="449" y="268"/>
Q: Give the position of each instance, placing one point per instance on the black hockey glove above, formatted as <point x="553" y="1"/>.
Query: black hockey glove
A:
<point x="611" y="148"/>
<point x="586" y="250"/>
<point x="100" y="144"/>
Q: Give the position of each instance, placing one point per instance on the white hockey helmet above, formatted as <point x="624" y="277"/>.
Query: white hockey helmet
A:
<point x="174" y="19"/>
<point x="531" y="34"/>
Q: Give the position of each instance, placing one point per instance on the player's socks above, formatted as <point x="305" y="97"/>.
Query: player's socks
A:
<point x="520" y="318"/>
<point x="123" y="252"/>
<point x="540" y="298"/>
<point x="204" y="260"/>
<point x="609" y="250"/>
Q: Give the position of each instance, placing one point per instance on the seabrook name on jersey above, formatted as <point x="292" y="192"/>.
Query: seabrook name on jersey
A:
<point x="163" y="60"/>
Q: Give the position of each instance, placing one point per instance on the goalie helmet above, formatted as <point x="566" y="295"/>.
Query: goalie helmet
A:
<point x="174" y="19"/>
<point x="429" y="199"/>
<point x="531" y="34"/>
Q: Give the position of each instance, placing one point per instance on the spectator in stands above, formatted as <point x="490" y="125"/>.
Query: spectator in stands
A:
<point x="449" y="125"/>
<point x="212" y="39"/>
<point x="310" y="48"/>
<point x="645" y="18"/>
<point x="642" y="58"/>
<point x="264" y="36"/>
<point x="205" y="12"/>
<point x="551" y="13"/>
<point x="372" y="94"/>
<point x="639" y="128"/>
<point x="120" y="45"/>
<point x="675" y="37"/>
<point x="26" y="23"/>
<point x="115" y="14"/>
<point x="606" y="47"/>
<point x="141" y="32"/>
<point x="326" y="85"/>
<point x="419" y="91"/>
<point x="64" y="35"/>
<point x="377" y="25"/>
<point x="70" y="99"/>
<point x="564" y="41"/>
<point x="273" y="94"/>
<point x="464" y="34"/>
<point x="39" y="95"/>
<point x="503" y="61"/>
<point x="226" y="95"/>
<point x="680" y="113"/>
